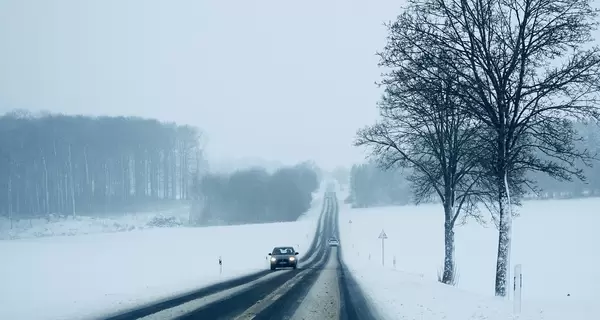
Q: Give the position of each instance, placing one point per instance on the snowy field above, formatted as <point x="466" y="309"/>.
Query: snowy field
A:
<point x="82" y="276"/>
<point x="556" y="241"/>
<point x="70" y="226"/>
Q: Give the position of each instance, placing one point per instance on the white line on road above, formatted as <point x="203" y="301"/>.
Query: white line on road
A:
<point x="193" y="305"/>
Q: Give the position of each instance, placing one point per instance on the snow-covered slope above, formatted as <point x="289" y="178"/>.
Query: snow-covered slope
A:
<point x="79" y="225"/>
<point x="555" y="241"/>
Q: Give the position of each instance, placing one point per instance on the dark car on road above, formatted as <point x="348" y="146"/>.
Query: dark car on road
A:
<point x="283" y="257"/>
<point x="333" y="242"/>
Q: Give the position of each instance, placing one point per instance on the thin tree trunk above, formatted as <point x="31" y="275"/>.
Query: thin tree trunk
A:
<point x="123" y="194"/>
<point x="10" y="198"/>
<point x="71" y="180"/>
<point x="509" y="217"/>
<point x="36" y="200"/>
<point x="18" y="202"/>
<point x="127" y="169"/>
<point x="107" y="202"/>
<point x="46" y="189"/>
<point x="65" y="194"/>
<point x="87" y="190"/>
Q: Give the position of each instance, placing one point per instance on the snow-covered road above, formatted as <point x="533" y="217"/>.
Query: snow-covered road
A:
<point x="323" y="298"/>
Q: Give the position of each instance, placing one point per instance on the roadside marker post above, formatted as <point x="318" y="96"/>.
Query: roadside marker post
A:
<point x="383" y="236"/>
<point x="350" y="232"/>
<point x="517" y="287"/>
<point x="220" y="265"/>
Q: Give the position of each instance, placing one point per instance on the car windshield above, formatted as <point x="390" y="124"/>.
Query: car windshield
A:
<point x="283" y="250"/>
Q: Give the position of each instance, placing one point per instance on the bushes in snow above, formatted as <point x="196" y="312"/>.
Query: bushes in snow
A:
<point x="254" y="195"/>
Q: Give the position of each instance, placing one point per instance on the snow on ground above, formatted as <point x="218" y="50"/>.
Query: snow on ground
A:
<point x="78" y="225"/>
<point x="89" y="275"/>
<point x="555" y="241"/>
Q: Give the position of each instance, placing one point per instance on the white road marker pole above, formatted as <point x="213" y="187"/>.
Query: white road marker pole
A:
<point x="382" y="252"/>
<point x="382" y="236"/>
<point x="220" y="265"/>
<point x="350" y="233"/>
<point x="517" y="287"/>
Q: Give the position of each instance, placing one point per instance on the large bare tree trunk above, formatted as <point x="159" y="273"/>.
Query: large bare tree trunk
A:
<point x="450" y="214"/>
<point x="504" y="237"/>
<point x="449" y="263"/>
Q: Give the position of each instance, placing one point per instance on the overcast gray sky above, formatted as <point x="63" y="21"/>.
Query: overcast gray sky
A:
<point x="279" y="80"/>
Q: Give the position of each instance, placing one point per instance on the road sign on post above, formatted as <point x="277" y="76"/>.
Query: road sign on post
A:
<point x="382" y="236"/>
<point x="517" y="287"/>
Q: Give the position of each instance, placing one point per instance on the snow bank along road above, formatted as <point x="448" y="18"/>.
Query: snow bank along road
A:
<point x="321" y="288"/>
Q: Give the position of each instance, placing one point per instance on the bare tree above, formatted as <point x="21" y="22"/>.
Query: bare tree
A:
<point x="525" y="73"/>
<point x="58" y="164"/>
<point x="425" y="130"/>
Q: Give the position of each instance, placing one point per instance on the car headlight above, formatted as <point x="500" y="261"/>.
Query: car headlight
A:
<point x="292" y="258"/>
<point x="273" y="259"/>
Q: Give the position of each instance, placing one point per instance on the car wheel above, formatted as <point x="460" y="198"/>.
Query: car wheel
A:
<point x="273" y="268"/>
<point x="295" y="266"/>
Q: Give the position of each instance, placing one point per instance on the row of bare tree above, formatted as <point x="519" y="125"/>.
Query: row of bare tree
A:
<point x="57" y="164"/>
<point x="478" y="94"/>
<point x="370" y="185"/>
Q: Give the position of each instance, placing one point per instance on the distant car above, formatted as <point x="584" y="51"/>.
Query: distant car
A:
<point x="283" y="257"/>
<point x="333" y="242"/>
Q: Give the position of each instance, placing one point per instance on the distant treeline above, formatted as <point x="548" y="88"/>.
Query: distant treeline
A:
<point x="254" y="195"/>
<point x="72" y="164"/>
<point x="372" y="186"/>
<point x="550" y="188"/>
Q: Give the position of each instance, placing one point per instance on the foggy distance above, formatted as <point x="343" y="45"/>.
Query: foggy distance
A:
<point x="419" y="159"/>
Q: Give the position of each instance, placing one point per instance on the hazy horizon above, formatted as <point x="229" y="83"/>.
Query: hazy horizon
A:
<point x="283" y="82"/>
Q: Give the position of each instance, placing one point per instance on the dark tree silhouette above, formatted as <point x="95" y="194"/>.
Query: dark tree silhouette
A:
<point x="425" y="129"/>
<point x="524" y="73"/>
<point x="57" y="164"/>
<point x="254" y="195"/>
<point x="372" y="186"/>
